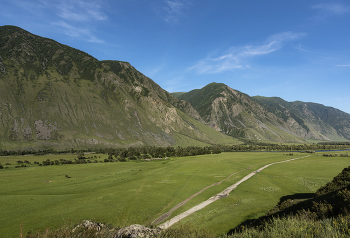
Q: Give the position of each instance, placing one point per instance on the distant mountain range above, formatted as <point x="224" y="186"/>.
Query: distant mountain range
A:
<point x="52" y="95"/>
<point x="266" y="118"/>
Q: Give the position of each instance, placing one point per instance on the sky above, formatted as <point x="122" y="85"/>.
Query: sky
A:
<point x="296" y="50"/>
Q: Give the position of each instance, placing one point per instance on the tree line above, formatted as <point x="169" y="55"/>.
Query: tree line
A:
<point x="144" y="152"/>
<point x="114" y="154"/>
<point x="285" y="147"/>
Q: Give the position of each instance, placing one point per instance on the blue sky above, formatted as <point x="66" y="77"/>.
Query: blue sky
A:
<point x="296" y="50"/>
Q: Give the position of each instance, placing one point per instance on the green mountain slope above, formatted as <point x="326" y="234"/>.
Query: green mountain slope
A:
<point x="55" y="95"/>
<point x="177" y="94"/>
<point x="236" y="114"/>
<point x="266" y="119"/>
<point x="319" y="121"/>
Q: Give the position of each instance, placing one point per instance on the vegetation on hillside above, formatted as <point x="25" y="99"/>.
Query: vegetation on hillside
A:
<point x="55" y="95"/>
<point x="323" y="214"/>
<point x="52" y="95"/>
<point x="266" y="119"/>
<point x="329" y="120"/>
<point x="177" y="94"/>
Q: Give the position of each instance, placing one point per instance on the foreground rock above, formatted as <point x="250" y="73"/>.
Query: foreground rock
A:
<point x="93" y="229"/>
<point x="136" y="230"/>
<point x="89" y="225"/>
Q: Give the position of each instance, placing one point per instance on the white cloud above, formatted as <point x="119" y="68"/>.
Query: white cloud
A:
<point x="94" y="39"/>
<point x="78" y="17"/>
<point x="34" y="7"/>
<point x="326" y="10"/>
<point x="75" y="18"/>
<point x="154" y="71"/>
<point x="174" y="85"/>
<point x="74" y="31"/>
<point x="343" y="65"/>
<point x="79" y="10"/>
<point x="76" y="10"/>
<point x="286" y="36"/>
<point x="300" y="47"/>
<point x="237" y="56"/>
<point x="173" y="10"/>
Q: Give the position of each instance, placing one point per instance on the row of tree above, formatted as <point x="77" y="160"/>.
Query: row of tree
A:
<point x="43" y="152"/>
<point x="123" y="154"/>
<point x="161" y="152"/>
<point x="284" y="147"/>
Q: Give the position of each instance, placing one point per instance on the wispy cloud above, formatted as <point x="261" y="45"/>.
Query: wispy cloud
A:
<point x="172" y="10"/>
<point x="154" y="71"/>
<point x="78" y="16"/>
<point x="343" y="65"/>
<point x="75" y="31"/>
<point x="236" y="57"/>
<point x="174" y="85"/>
<point x="327" y="10"/>
<point x="79" y="10"/>
<point x="94" y="39"/>
<point x="34" y="7"/>
<point x="300" y="48"/>
<point x="75" y="18"/>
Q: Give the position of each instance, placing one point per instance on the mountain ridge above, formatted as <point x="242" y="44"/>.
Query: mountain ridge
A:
<point x="55" y="95"/>
<point x="52" y="95"/>
<point x="266" y="118"/>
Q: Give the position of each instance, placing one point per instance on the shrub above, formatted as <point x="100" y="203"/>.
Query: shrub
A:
<point x="122" y="159"/>
<point x="145" y="156"/>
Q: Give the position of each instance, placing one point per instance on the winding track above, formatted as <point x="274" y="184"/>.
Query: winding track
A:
<point x="167" y="214"/>
<point x="218" y="196"/>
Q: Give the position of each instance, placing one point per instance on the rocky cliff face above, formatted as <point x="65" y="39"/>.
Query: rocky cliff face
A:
<point x="52" y="94"/>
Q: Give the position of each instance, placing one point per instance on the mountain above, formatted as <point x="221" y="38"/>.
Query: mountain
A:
<point x="315" y="118"/>
<point x="266" y="119"/>
<point x="52" y="95"/>
<point x="55" y="95"/>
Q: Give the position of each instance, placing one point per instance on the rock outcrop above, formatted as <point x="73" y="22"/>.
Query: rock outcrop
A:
<point x="136" y="230"/>
<point x="89" y="225"/>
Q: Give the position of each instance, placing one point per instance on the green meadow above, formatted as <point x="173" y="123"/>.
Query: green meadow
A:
<point x="124" y="193"/>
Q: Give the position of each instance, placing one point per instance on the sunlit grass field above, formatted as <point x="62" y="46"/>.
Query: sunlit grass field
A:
<point x="263" y="191"/>
<point x="124" y="193"/>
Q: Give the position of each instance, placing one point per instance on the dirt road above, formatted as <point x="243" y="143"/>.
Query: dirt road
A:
<point x="166" y="215"/>
<point x="218" y="196"/>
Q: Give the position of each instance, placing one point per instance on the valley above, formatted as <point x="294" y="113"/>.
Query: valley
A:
<point x="134" y="192"/>
<point x="152" y="155"/>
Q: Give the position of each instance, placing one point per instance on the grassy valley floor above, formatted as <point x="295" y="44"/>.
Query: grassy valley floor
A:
<point x="124" y="193"/>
